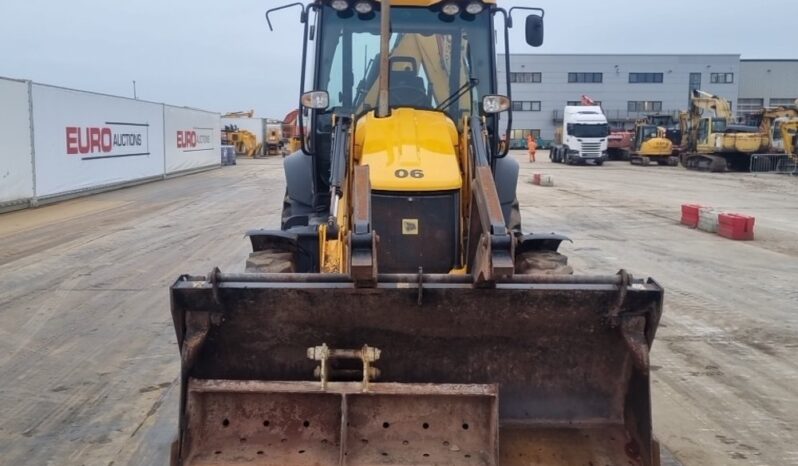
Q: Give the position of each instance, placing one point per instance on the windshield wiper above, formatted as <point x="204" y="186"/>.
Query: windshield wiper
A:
<point x="472" y="82"/>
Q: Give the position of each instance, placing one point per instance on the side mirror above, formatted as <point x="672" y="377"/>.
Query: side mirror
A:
<point x="495" y="104"/>
<point x="534" y="30"/>
<point x="317" y="100"/>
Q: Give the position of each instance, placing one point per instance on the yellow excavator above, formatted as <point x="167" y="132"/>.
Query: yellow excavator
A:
<point x="241" y="114"/>
<point x="789" y="135"/>
<point x="245" y="142"/>
<point x="651" y="144"/>
<point x="714" y="142"/>
<point x="401" y="315"/>
<point x="770" y="122"/>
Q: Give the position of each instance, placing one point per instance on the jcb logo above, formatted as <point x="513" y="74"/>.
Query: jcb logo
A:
<point x="409" y="226"/>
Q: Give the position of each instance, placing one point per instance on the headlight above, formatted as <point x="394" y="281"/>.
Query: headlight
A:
<point x="363" y="7"/>
<point x="450" y="9"/>
<point x="495" y="103"/>
<point x="318" y="100"/>
<point x="339" y="5"/>
<point x="474" y="8"/>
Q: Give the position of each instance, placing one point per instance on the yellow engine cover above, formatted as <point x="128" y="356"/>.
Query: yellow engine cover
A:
<point x="411" y="151"/>
<point x="747" y="143"/>
<point x="657" y="147"/>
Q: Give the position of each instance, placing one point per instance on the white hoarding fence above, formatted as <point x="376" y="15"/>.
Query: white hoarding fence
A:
<point x="191" y="139"/>
<point x="85" y="141"/>
<point x="16" y="152"/>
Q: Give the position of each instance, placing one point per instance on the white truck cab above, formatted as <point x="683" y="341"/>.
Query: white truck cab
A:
<point x="583" y="137"/>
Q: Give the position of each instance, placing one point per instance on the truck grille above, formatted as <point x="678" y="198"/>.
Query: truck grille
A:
<point x="591" y="149"/>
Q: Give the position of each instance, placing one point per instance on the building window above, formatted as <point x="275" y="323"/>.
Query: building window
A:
<point x="721" y="78"/>
<point x="644" y="106"/>
<point x="578" y="103"/>
<point x="526" y="105"/>
<point x="585" y="77"/>
<point x="749" y="105"/>
<point x="641" y="78"/>
<point x="525" y="77"/>
<point x="523" y="133"/>
<point x="782" y="102"/>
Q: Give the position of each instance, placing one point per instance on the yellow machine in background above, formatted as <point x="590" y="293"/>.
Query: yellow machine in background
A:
<point x="650" y="144"/>
<point x="771" y="120"/>
<point x="245" y="142"/>
<point x="714" y="142"/>
<point x="248" y="114"/>
<point x="789" y="135"/>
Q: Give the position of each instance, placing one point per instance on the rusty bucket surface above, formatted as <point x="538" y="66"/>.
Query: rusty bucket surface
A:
<point x="537" y="371"/>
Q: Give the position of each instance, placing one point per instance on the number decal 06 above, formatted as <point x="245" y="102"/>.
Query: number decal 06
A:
<point x="402" y="173"/>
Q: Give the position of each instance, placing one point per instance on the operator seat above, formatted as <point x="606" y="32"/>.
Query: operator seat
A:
<point x="407" y="88"/>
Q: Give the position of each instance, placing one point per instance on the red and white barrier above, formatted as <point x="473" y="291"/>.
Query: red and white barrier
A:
<point x="729" y="225"/>
<point x="690" y="215"/>
<point x="708" y="219"/>
<point x="737" y="227"/>
<point x="539" y="179"/>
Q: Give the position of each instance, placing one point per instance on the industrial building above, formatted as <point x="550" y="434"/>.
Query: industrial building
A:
<point x="630" y="86"/>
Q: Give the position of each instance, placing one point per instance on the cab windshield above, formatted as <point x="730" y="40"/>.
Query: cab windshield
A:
<point x="433" y="56"/>
<point x="582" y="130"/>
<point x="649" y="132"/>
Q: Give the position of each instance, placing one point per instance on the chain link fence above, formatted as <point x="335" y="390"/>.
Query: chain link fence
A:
<point x="784" y="164"/>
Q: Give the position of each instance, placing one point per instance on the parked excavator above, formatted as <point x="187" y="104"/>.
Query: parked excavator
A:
<point x="242" y="114"/>
<point x="619" y="144"/>
<point x="789" y="137"/>
<point x="672" y="127"/>
<point x="714" y="142"/>
<point x="651" y="144"/>
<point x="400" y="315"/>
<point x="770" y="121"/>
<point x="245" y="142"/>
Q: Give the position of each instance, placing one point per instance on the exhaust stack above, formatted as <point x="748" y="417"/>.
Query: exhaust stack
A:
<point x="383" y="106"/>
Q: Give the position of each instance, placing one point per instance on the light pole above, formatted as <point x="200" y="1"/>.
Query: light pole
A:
<point x="134" y="90"/>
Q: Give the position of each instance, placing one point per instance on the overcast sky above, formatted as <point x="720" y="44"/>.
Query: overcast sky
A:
<point x="219" y="54"/>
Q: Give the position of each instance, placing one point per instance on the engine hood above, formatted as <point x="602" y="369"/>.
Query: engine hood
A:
<point x="411" y="151"/>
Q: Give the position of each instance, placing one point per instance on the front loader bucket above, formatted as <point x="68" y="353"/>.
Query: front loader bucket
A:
<point x="536" y="371"/>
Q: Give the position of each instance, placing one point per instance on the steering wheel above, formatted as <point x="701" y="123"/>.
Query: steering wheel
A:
<point x="412" y="96"/>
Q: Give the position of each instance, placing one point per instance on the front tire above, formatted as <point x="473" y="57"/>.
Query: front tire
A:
<point x="270" y="261"/>
<point x="542" y="263"/>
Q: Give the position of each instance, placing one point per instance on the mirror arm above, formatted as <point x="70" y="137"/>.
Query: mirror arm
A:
<point x="301" y="121"/>
<point x="537" y="10"/>
<point x="508" y="131"/>
<point x="302" y="16"/>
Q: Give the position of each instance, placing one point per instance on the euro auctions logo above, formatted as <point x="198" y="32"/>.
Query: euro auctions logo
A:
<point x="108" y="141"/>
<point x="195" y="139"/>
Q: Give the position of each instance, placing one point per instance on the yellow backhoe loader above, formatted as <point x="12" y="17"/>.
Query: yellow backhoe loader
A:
<point x="400" y="315"/>
<point x="714" y="142"/>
